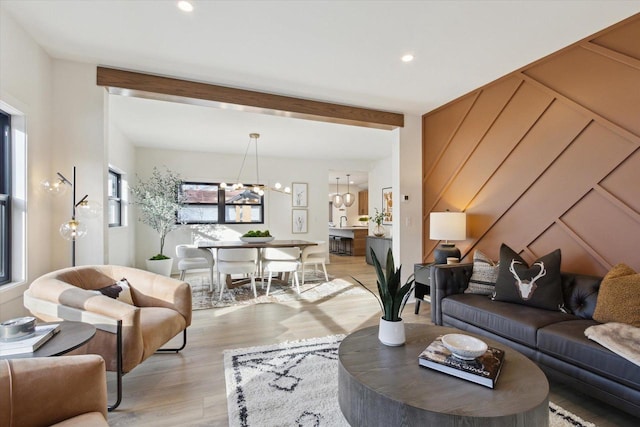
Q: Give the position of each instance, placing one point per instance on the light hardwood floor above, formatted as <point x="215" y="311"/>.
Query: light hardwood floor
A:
<point x="188" y="388"/>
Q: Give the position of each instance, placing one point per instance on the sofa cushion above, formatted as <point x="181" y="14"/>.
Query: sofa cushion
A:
<point x="516" y="322"/>
<point x="538" y="285"/>
<point x="484" y="275"/>
<point x="566" y="341"/>
<point x="580" y="293"/>
<point x="619" y="297"/>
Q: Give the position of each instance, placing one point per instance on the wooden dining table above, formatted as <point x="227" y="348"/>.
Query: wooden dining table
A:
<point x="238" y="244"/>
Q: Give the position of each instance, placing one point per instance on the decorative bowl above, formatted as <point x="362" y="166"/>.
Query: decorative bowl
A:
<point x="464" y="346"/>
<point x="256" y="239"/>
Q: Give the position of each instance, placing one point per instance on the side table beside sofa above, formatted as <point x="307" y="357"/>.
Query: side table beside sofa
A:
<point x="555" y="340"/>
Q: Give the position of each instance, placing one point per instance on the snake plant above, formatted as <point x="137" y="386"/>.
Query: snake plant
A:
<point x="392" y="296"/>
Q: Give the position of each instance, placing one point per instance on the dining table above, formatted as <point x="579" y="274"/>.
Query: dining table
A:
<point x="215" y="245"/>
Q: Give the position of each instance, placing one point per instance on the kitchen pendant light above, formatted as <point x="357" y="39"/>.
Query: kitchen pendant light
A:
<point x="348" y="197"/>
<point x="337" y="198"/>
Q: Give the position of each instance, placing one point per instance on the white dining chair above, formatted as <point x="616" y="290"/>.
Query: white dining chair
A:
<point x="237" y="261"/>
<point x="314" y="255"/>
<point x="191" y="257"/>
<point x="280" y="260"/>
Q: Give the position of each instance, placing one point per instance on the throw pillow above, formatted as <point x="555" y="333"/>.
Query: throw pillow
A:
<point x="619" y="297"/>
<point x="121" y="291"/>
<point x="484" y="275"/>
<point x="538" y="285"/>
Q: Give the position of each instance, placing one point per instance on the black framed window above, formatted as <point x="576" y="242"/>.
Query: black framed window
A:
<point x="115" y="198"/>
<point x="5" y="198"/>
<point x="208" y="203"/>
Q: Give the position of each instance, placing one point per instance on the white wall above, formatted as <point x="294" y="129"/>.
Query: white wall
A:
<point x="121" y="240"/>
<point x="212" y="167"/>
<point x="25" y="85"/>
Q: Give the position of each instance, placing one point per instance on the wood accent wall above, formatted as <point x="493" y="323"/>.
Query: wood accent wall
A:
<point x="546" y="157"/>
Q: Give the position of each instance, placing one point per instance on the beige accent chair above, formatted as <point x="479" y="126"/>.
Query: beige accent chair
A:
<point x="314" y="255"/>
<point x="53" y="391"/>
<point x="126" y="334"/>
<point x="281" y="260"/>
<point x="191" y="257"/>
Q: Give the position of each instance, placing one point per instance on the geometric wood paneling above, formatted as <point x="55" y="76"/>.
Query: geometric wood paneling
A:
<point x="546" y="157"/>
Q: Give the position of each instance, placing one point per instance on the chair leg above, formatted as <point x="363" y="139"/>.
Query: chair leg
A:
<point x="175" y="350"/>
<point x="222" y="278"/>
<point x="302" y="274"/>
<point x="182" y="272"/>
<point x="326" y="276"/>
<point x="269" y="284"/>
<point x="119" y="368"/>
<point x="253" y="285"/>
<point x="211" y="280"/>
<point x="295" y="279"/>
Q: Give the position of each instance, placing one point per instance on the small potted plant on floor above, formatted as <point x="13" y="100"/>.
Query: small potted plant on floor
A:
<point x="158" y="201"/>
<point x="392" y="298"/>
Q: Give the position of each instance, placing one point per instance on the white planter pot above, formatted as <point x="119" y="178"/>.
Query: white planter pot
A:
<point x="160" y="266"/>
<point x="391" y="333"/>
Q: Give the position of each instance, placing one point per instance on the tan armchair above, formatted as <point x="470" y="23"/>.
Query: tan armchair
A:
<point x="60" y="391"/>
<point x="126" y="334"/>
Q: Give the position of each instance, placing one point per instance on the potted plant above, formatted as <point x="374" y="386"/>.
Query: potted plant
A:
<point x="363" y="220"/>
<point x="158" y="202"/>
<point x="392" y="298"/>
<point x="378" y="229"/>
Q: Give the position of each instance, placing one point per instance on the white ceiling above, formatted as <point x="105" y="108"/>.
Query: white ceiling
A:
<point x="344" y="52"/>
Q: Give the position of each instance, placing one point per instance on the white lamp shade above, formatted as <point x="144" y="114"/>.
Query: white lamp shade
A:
<point x="447" y="226"/>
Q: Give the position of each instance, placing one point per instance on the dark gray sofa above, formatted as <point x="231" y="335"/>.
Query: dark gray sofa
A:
<point x="553" y="339"/>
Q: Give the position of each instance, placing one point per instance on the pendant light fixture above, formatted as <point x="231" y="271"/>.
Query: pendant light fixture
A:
<point x="257" y="188"/>
<point x="337" y="198"/>
<point x="348" y="197"/>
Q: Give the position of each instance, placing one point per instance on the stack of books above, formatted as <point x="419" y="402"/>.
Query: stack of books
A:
<point x="31" y="343"/>
<point x="484" y="370"/>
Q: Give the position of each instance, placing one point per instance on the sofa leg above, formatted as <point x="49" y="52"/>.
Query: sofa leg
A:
<point x="176" y="350"/>
<point x="119" y="372"/>
<point x="417" y="306"/>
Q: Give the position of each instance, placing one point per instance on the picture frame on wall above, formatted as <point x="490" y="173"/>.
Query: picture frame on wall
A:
<point x="387" y="205"/>
<point x="299" y="219"/>
<point x="299" y="194"/>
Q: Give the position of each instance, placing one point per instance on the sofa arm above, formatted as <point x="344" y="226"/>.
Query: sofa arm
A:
<point x="45" y="391"/>
<point x="153" y="290"/>
<point x="447" y="279"/>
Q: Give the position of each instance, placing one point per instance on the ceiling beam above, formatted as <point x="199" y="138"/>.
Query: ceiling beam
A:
<point x="131" y="83"/>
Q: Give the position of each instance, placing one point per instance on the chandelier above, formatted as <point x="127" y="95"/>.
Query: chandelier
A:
<point x="348" y="197"/>
<point x="256" y="188"/>
<point x="337" y="198"/>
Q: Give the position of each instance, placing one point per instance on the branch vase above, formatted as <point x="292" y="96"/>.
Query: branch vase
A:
<point x="391" y="333"/>
<point x="379" y="230"/>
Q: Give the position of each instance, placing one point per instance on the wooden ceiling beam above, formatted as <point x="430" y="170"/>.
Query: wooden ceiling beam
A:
<point x="131" y="83"/>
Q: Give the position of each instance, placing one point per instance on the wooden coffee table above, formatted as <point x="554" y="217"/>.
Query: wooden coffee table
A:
<point x="71" y="336"/>
<point x="384" y="386"/>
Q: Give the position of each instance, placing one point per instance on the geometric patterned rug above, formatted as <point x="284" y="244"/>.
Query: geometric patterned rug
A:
<point x="295" y="383"/>
<point x="315" y="289"/>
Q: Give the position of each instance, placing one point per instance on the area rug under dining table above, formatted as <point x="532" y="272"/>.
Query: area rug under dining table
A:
<point x="295" y="383"/>
<point x="316" y="288"/>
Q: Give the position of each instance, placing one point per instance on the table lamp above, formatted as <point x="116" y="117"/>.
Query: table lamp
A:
<point x="447" y="226"/>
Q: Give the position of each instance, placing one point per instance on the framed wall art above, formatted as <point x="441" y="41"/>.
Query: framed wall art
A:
<point x="387" y="205"/>
<point x="299" y="221"/>
<point x="299" y="194"/>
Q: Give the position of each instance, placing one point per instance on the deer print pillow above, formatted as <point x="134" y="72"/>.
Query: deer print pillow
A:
<point x="537" y="285"/>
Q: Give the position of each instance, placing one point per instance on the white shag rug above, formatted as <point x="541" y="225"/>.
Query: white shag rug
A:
<point x="295" y="383"/>
<point x="314" y="290"/>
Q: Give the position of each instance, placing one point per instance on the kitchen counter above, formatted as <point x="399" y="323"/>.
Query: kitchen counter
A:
<point x="357" y="233"/>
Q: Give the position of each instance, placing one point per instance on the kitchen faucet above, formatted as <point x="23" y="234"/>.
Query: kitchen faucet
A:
<point x="345" y="220"/>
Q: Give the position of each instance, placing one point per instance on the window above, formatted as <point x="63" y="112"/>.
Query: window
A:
<point x="5" y="198"/>
<point x="207" y="203"/>
<point x="115" y="198"/>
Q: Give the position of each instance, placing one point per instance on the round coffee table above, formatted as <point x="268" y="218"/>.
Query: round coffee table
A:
<point x="383" y="386"/>
<point x="71" y="336"/>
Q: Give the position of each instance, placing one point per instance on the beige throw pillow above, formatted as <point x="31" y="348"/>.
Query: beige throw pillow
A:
<point x="484" y="275"/>
<point x="619" y="297"/>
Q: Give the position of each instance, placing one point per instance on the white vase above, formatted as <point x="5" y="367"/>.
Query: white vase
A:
<point x="160" y="266"/>
<point x="391" y="333"/>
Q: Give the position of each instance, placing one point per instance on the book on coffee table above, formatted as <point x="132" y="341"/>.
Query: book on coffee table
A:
<point x="30" y="343"/>
<point x="483" y="370"/>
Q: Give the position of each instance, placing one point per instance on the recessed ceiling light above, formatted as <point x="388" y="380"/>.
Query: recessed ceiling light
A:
<point x="407" y="58"/>
<point x="185" y="6"/>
